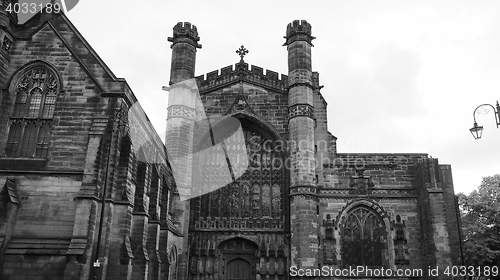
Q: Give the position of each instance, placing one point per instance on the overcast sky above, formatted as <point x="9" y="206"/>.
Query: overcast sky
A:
<point x="398" y="76"/>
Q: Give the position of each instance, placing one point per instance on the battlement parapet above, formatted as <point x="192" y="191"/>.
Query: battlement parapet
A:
<point x="298" y="30"/>
<point x="298" y="26"/>
<point x="240" y="71"/>
<point x="185" y="32"/>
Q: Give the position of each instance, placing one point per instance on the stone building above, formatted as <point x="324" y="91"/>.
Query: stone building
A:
<point x="86" y="191"/>
<point x="79" y="197"/>
<point x="301" y="207"/>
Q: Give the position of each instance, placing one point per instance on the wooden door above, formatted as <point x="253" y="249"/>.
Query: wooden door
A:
<point x="238" y="269"/>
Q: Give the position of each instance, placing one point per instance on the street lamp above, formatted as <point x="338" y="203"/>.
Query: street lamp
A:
<point x="477" y="131"/>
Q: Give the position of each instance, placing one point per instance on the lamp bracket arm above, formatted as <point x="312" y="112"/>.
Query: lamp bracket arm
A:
<point x="495" y="111"/>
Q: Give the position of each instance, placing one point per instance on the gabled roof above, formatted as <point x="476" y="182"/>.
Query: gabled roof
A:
<point x="105" y="80"/>
<point x="87" y="57"/>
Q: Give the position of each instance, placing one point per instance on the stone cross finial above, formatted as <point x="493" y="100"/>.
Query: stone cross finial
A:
<point x="242" y="51"/>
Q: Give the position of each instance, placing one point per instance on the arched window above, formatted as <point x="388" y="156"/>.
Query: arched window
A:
<point x="172" y="268"/>
<point x="363" y="235"/>
<point x="31" y="122"/>
<point x="256" y="196"/>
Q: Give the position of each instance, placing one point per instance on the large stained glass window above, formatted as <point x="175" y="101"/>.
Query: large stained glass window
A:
<point x="256" y="195"/>
<point x="31" y="122"/>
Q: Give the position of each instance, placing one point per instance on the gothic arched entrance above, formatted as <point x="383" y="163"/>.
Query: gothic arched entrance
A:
<point x="363" y="238"/>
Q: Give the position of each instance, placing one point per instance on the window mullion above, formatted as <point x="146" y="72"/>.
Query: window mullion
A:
<point x="27" y="105"/>
<point x="38" y="125"/>
<point x="42" y="102"/>
<point x="20" y="145"/>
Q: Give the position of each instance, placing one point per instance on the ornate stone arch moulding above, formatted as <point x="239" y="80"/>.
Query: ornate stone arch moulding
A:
<point x="253" y="239"/>
<point x="369" y="203"/>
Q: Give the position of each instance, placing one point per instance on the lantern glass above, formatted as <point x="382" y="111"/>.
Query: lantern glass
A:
<point x="477" y="131"/>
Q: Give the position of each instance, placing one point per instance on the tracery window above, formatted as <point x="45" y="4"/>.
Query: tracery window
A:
<point x="257" y="193"/>
<point x="362" y="238"/>
<point x="31" y="122"/>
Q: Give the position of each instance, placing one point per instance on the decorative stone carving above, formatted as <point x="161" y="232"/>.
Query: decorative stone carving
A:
<point x="180" y="111"/>
<point x="7" y="44"/>
<point x="375" y="193"/>
<point x="240" y="104"/>
<point x="341" y="164"/>
<point x="303" y="190"/>
<point x="400" y="243"/>
<point x="329" y="242"/>
<point x="301" y="110"/>
<point x="361" y="184"/>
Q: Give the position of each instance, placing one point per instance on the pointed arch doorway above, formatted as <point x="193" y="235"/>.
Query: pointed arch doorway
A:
<point x="239" y="258"/>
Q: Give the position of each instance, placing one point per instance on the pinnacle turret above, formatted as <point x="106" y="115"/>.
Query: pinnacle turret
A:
<point x="186" y="33"/>
<point x="184" y="44"/>
<point x="298" y="30"/>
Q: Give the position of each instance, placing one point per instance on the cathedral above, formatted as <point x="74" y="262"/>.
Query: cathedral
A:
<point x="249" y="184"/>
